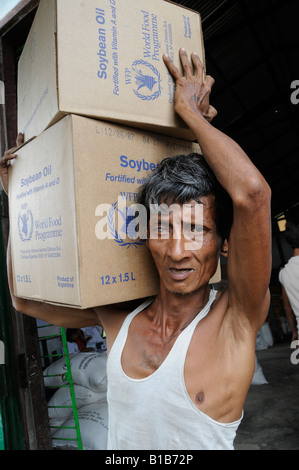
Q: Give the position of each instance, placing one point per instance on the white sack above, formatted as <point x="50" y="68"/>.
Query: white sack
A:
<point x="84" y="396"/>
<point x="93" y="420"/>
<point x="88" y="369"/>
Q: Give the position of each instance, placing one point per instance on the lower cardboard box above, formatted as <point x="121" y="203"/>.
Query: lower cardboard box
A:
<point x="70" y="193"/>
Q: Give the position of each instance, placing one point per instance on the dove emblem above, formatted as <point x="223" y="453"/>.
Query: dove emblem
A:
<point x="147" y="79"/>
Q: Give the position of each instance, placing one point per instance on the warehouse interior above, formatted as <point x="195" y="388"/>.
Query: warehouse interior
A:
<point x="252" y="51"/>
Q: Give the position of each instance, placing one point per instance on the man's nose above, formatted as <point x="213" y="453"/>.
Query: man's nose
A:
<point x="177" y="248"/>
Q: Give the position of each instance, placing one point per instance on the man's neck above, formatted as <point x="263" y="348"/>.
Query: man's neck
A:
<point x="296" y="252"/>
<point x="177" y="309"/>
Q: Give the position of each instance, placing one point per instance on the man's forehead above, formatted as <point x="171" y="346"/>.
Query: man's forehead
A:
<point x="205" y="205"/>
<point x="192" y="212"/>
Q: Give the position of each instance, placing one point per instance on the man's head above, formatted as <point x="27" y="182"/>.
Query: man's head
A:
<point x="185" y="178"/>
<point x="186" y="184"/>
<point x="72" y="334"/>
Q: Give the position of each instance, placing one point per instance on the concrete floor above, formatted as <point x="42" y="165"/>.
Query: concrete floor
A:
<point x="271" y="411"/>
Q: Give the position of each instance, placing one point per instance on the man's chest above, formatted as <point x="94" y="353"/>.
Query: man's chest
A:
<point x="195" y="357"/>
<point x="205" y="366"/>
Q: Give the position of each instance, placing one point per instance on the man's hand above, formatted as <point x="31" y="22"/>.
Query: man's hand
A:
<point x="192" y="90"/>
<point x="5" y="162"/>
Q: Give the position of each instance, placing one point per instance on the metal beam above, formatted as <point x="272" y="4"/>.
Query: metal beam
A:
<point x="16" y="15"/>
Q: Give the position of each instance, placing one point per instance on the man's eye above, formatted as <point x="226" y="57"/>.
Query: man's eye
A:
<point x="197" y="228"/>
<point x="162" y="229"/>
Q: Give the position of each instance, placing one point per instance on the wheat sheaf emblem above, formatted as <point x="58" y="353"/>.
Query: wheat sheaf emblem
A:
<point x="127" y="228"/>
<point x="145" y="81"/>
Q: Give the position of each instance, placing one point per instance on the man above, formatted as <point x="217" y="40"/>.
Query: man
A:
<point x="76" y="341"/>
<point x="289" y="275"/>
<point x="179" y="367"/>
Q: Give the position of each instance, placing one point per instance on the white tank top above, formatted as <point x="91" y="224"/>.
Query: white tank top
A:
<point x="156" y="412"/>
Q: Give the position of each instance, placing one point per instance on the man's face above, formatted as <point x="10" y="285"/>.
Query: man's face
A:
<point x="185" y="246"/>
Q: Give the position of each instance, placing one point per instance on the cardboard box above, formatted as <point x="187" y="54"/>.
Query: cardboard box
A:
<point x="103" y="59"/>
<point x="57" y="186"/>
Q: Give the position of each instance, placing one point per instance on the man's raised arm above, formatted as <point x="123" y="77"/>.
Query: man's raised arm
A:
<point x="249" y="258"/>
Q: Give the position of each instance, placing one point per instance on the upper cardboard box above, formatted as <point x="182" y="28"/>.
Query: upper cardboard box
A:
<point x="103" y="59"/>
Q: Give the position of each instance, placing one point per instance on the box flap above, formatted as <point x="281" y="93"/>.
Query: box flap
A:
<point x="37" y="90"/>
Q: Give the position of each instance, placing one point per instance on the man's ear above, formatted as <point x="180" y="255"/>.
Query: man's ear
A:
<point x="224" y="248"/>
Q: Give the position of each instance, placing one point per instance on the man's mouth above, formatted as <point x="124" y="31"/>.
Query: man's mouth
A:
<point x="179" y="274"/>
<point x="183" y="270"/>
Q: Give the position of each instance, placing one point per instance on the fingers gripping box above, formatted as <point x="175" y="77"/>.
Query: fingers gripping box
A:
<point x="68" y="190"/>
<point x="103" y="59"/>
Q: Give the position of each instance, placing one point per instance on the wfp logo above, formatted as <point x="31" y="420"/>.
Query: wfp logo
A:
<point x="147" y="79"/>
<point x="25" y="225"/>
<point x="127" y="227"/>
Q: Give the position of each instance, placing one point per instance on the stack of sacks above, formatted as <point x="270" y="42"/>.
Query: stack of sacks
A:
<point x="93" y="421"/>
<point x="90" y="387"/>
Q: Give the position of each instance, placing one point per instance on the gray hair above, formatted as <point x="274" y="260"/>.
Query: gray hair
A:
<point x="183" y="178"/>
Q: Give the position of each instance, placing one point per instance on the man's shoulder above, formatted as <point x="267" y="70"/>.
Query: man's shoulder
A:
<point x="111" y="317"/>
<point x="118" y="311"/>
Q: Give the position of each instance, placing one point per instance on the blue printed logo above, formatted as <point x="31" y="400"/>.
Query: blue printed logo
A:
<point x="148" y="80"/>
<point x="128" y="229"/>
<point x="25" y="225"/>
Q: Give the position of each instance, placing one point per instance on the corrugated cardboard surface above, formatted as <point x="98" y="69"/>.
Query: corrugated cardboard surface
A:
<point x="43" y="217"/>
<point x="56" y="185"/>
<point x="105" y="62"/>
